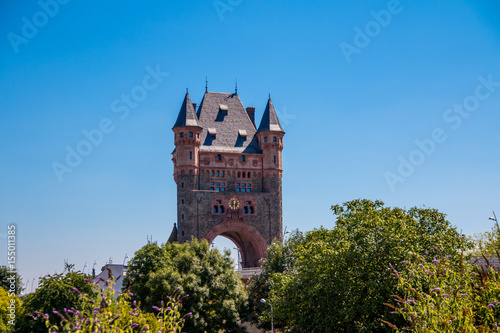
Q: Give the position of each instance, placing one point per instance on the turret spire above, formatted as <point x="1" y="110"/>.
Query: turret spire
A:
<point x="270" y="121"/>
<point x="187" y="115"/>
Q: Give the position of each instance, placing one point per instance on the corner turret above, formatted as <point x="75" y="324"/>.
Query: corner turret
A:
<point x="270" y="135"/>
<point x="187" y="131"/>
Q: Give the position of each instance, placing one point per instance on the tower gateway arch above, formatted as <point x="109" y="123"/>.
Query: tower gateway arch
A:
<point x="228" y="173"/>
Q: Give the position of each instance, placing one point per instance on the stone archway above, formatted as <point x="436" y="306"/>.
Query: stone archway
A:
<point x="249" y="241"/>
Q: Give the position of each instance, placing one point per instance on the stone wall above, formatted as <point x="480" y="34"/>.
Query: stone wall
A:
<point x="195" y="207"/>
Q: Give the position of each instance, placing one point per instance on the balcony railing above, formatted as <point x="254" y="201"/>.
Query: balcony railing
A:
<point x="246" y="273"/>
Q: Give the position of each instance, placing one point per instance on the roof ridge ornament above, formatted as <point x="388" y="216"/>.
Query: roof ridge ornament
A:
<point x="206" y="84"/>
<point x="236" y="86"/>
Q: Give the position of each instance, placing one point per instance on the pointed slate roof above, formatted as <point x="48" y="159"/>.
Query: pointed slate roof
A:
<point x="187" y="115"/>
<point x="173" y="235"/>
<point x="270" y="121"/>
<point x="225" y="117"/>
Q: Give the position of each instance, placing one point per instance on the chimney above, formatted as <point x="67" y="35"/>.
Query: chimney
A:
<point x="251" y="114"/>
<point x="194" y="106"/>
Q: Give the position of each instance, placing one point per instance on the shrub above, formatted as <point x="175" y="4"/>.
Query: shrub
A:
<point x="105" y="312"/>
<point x="439" y="296"/>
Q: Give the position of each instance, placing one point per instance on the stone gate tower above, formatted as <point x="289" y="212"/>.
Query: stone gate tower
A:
<point x="228" y="174"/>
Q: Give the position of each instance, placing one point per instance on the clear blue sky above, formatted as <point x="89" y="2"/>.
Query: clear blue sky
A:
<point x="352" y="106"/>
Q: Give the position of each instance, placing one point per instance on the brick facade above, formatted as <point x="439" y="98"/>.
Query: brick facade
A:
<point x="245" y="164"/>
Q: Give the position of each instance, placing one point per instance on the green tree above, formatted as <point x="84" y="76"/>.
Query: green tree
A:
<point x="54" y="293"/>
<point x="7" y="277"/>
<point x="281" y="258"/>
<point x="340" y="279"/>
<point x="487" y="243"/>
<point x="216" y="294"/>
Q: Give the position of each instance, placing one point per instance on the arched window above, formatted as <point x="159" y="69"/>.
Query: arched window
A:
<point x="249" y="206"/>
<point x="217" y="205"/>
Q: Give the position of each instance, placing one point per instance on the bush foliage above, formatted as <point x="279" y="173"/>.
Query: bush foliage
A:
<point x="437" y="295"/>
<point x="106" y="312"/>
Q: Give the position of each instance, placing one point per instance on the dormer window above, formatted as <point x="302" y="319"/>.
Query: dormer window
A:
<point x="242" y="134"/>
<point x="212" y="132"/>
<point x="223" y="109"/>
